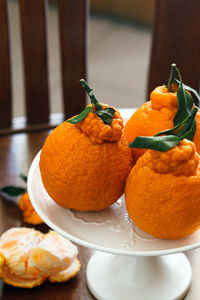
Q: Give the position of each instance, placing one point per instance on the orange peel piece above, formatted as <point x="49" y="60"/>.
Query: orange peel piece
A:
<point x="66" y="274"/>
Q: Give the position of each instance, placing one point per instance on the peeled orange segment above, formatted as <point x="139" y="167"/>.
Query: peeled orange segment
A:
<point x="53" y="254"/>
<point x="67" y="274"/>
<point x="20" y="282"/>
<point x="16" y="245"/>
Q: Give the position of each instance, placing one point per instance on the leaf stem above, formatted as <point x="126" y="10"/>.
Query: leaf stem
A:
<point x="179" y="74"/>
<point x="171" y="77"/>
<point x="90" y="92"/>
<point x="105" y="113"/>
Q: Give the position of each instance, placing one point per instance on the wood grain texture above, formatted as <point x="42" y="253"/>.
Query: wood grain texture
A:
<point x="73" y="17"/>
<point x="16" y="155"/>
<point x="5" y="76"/>
<point x="19" y="125"/>
<point x="33" y="28"/>
<point x="176" y="39"/>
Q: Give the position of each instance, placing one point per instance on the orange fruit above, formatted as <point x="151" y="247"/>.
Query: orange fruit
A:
<point x="29" y="214"/>
<point x="84" y="166"/>
<point x="163" y="192"/>
<point x="154" y="116"/>
<point x="28" y="257"/>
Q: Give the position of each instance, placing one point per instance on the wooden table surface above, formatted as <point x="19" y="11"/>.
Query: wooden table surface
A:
<point x="16" y="154"/>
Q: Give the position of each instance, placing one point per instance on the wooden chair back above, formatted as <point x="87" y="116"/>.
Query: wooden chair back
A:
<point x="176" y="39"/>
<point x="73" y="17"/>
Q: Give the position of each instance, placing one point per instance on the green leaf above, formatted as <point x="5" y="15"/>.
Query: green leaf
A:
<point x="187" y="87"/>
<point x="106" y="115"/>
<point x="13" y="190"/>
<point x="183" y="109"/>
<point x="184" y="126"/>
<point x="189" y="126"/>
<point x="159" y="143"/>
<point x="23" y="177"/>
<point x="81" y="116"/>
<point x="190" y="135"/>
<point x="189" y="100"/>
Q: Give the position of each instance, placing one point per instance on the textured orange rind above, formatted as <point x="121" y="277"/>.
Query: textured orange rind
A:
<point x="163" y="192"/>
<point x="99" y="132"/>
<point x="81" y="174"/>
<point x="154" y="116"/>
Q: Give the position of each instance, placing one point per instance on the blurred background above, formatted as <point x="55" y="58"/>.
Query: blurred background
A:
<point x="118" y="52"/>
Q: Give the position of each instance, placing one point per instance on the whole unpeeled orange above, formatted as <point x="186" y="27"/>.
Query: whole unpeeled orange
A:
<point x="156" y="115"/>
<point x="163" y="191"/>
<point x="84" y="162"/>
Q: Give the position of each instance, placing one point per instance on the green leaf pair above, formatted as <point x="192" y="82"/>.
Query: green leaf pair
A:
<point x="167" y="139"/>
<point x="168" y="83"/>
<point x="184" y="99"/>
<point x="184" y="120"/>
<point x="106" y="114"/>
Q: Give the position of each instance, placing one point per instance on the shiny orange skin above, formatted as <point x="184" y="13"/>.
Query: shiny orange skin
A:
<point x="154" y="116"/>
<point x="163" y="192"/>
<point x="80" y="174"/>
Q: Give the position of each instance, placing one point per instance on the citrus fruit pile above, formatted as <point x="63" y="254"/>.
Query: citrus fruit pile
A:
<point x="85" y="161"/>
<point x="163" y="188"/>
<point x="28" y="258"/>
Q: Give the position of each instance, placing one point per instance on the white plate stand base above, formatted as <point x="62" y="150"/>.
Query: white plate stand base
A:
<point x="116" y="277"/>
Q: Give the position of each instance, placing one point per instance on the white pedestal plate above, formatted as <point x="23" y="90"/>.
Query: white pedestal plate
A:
<point x="131" y="265"/>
